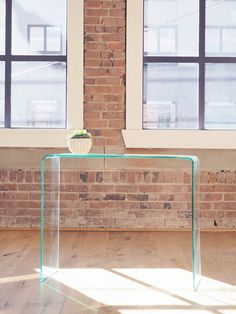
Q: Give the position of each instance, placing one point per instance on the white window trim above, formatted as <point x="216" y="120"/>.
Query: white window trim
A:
<point x="58" y="137"/>
<point x="134" y="136"/>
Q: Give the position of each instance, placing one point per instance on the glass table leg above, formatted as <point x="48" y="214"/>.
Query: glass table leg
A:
<point x="196" y="254"/>
<point x="50" y="210"/>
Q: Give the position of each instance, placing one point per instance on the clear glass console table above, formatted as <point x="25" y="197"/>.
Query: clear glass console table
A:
<point x="50" y="205"/>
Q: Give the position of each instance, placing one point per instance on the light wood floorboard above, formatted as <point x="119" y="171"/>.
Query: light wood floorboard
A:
<point x="119" y="272"/>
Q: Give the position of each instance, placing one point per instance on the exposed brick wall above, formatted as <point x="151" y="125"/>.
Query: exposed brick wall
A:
<point x="218" y="198"/>
<point x="104" y="70"/>
<point x="127" y="199"/>
<point x="121" y="199"/>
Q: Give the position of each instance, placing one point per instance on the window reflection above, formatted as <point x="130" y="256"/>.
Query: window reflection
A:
<point x="2" y="94"/>
<point x="38" y="94"/>
<point x="171" y="88"/>
<point x="161" y="40"/>
<point x="220" y="40"/>
<point x="168" y="40"/>
<point x="39" y="27"/>
<point x="221" y="28"/>
<point x="213" y="40"/>
<point x="171" y="27"/>
<point x="229" y="40"/>
<point x="2" y="26"/>
<point x="220" y="107"/>
<point x="171" y="96"/>
<point x="45" y="39"/>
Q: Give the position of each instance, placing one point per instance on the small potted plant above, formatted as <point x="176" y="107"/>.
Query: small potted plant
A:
<point x="80" y="142"/>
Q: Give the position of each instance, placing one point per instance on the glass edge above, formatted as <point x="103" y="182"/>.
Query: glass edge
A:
<point x="125" y="156"/>
<point x="42" y="220"/>
<point x="196" y="276"/>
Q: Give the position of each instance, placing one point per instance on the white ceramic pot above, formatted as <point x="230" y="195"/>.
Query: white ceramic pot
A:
<point x="79" y="145"/>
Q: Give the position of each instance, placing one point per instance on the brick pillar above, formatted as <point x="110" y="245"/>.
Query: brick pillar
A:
<point x="104" y="70"/>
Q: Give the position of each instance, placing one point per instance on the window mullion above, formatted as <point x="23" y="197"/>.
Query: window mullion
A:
<point x="8" y="64"/>
<point x="202" y="22"/>
<point x="170" y="59"/>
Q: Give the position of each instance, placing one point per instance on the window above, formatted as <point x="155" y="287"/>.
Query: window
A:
<point x="191" y="76"/>
<point x="181" y="83"/>
<point x="37" y="63"/>
<point x="2" y="26"/>
<point x="220" y="40"/>
<point x="45" y="39"/>
<point x="160" y="40"/>
<point x="34" y="74"/>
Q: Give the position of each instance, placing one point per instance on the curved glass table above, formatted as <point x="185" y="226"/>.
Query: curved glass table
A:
<point x="50" y="206"/>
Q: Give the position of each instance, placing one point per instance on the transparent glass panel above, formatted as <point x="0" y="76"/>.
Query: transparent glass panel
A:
<point x="170" y="96"/>
<point x="221" y="15"/>
<point x="167" y="41"/>
<point x="196" y="215"/>
<point x="229" y="40"/>
<point x="124" y="170"/>
<point x="2" y="26"/>
<point x="2" y="93"/>
<point x="213" y="40"/>
<point x="182" y="17"/>
<point x="39" y="94"/>
<point x="44" y="13"/>
<point x="53" y="39"/>
<point x="220" y="105"/>
<point x="36" y="39"/>
<point x="49" y="254"/>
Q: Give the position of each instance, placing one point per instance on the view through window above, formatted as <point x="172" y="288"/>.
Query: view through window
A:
<point x="33" y="63"/>
<point x="189" y="79"/>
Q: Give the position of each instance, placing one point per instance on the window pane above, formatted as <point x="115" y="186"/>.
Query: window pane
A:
<point x="167" y="41"/>
<point x="213" y="40"/>
<point x="36" y="38"/>
<point x="229" y="40"/>
<point x="221" y="15"/>
<point x="41" y="14"/>
<point x="220" y="106"/>
<point x="2" y="95"/>
<point x="170" y="96"/>
<point x="2" y="26"/>
<point x="54" y="39"/>
<point x="38" y="94"/>
<point x="181" y="18"/>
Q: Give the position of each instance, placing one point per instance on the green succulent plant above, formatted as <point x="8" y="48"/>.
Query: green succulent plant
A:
<point x="80" y="134"/>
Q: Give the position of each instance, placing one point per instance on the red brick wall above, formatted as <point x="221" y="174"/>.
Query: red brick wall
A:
<point x="111" y="198"/>
<point x="104" y="70"/>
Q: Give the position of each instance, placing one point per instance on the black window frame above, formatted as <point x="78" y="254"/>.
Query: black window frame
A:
<point x="8" y="58"/>
<point x="201" y="60"/>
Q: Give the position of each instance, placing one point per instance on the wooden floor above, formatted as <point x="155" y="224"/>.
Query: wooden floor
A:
<point x="119" y="272"/>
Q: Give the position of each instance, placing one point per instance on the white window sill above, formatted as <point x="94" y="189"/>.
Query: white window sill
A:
<point x="180" y="139"/>
<point x="34" y="137"/>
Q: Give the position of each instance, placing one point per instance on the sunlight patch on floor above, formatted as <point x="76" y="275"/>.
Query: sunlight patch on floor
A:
<point x="179" y="282"/>
<point x="149" y="287"/>
<point x="111" y="289"/>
